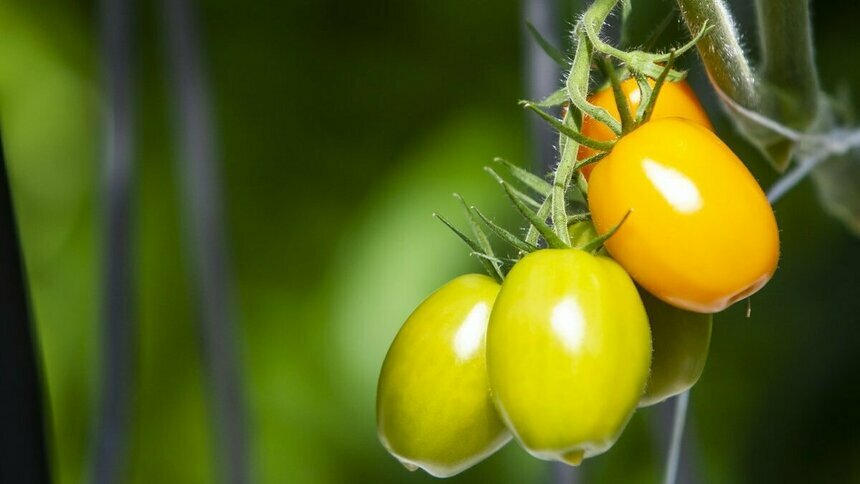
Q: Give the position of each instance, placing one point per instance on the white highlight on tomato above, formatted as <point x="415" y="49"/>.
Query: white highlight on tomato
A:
<point x="470" y="334"/>
<point x="568" y="322"/>
<point x="676" y="188"/>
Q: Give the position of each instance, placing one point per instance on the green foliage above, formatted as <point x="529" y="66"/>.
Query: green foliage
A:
<point x="321" y="301"/>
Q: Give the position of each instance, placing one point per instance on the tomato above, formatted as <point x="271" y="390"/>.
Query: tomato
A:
<point x="676" y="99"/>
<point x="680" y="339"/>
<point x="568" y="352"/>
<point x="433" y="405"/>
<point x="701" y="234"/>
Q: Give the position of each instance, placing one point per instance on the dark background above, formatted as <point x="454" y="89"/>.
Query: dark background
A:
<point x="342" y="127"/>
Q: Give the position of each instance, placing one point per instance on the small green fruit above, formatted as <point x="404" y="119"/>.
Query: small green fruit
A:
<point x="433" y="405"/>
<point x="681" y="339"/>
<point x="568" y="353"/>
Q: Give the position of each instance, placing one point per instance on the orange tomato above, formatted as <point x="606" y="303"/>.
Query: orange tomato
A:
<point x="701" y="234"/>
<point x="676" y="99"/>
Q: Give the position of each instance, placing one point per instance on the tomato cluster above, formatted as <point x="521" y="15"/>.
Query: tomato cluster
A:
<point x="574" y="339"/>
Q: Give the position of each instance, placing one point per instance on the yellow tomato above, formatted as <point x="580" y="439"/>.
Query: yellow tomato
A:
<point x="701" y="234"/>
<point x="433" y="405"/>
<point x="681" y="340"/>
<point x="676" y="99"/>
<point x="568" y="352"/>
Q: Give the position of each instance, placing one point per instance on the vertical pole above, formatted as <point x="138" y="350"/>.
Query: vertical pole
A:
<point x="117" y="375"/>
<point x="23" y="456"/>
<point x="201" y="186"/>
<point x="673" y="459"/>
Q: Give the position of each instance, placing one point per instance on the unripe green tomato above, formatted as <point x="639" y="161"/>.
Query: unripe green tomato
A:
<point x="681" y="339"/>
<point x="581" y="233"/>
<point x="568" y="353"/>
<point x="433" y="406"/>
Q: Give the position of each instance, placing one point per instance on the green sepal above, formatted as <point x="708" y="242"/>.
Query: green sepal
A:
<point x="578" y="217"/>
<point x="488" y="266"/>
<point x="482" y="240"/>
<point x="590" y="160"/>
<point x="545" y="231"/>
<point x="658" y="84"/>
<point x="645" y="94"/>
<point x="618" y="94"/>
<point x="528" y="178"/>
<point x="555" y="99"/>
<point x="499" y="260"/>
<point x="524" y="197"/>
<point x="595" y="244"/>
<point x="505" y="235"/>
<point x="567" y="130"/>
<point x="552" y="51"/>
<point x="582" y="184"/>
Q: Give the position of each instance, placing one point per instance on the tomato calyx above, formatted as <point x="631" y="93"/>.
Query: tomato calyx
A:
<point x="551" y="207"/>
<point x="649" y="94"/>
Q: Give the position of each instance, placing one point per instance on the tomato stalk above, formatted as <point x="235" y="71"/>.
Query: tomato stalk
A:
<point x="620" y="98"/>
<point x="721" y="51"/>
<point x="655" y="93"/>
<point x="780" y="107"/>
<point x="784" y="88"/>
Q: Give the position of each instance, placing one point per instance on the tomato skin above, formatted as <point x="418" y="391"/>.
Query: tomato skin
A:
<point x="681" y="340"/>
<point x="676" y="100"/>
<point x="433" y="406"/>
<point x="568" y="352"/>
<point x="701" y="234"/>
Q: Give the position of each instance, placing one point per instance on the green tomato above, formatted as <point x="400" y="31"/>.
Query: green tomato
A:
<point x="568" y="353"/>
<point x="581" y="233"/>
<point x="433" y="405"/>
<point x="681" y="339"/>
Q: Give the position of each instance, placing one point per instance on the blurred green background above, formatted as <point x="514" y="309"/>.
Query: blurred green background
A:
<point x="343" y="126"/>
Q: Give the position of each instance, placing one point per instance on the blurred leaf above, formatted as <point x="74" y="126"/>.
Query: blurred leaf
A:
<point x="50" y="125"/>
<point x="838" y="185"/>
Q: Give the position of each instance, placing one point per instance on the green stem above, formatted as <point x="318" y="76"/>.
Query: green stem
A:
<point x="618" y="94"/>
<point x="577" y="83"/>
<point x="542" y="213"/>
<point x="721" y="50"/>
<point x="580" y="70"/>
<point x="559" y="210"/>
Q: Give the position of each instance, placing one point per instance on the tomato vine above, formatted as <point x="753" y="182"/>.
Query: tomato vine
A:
<point x="556" y="299"/>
